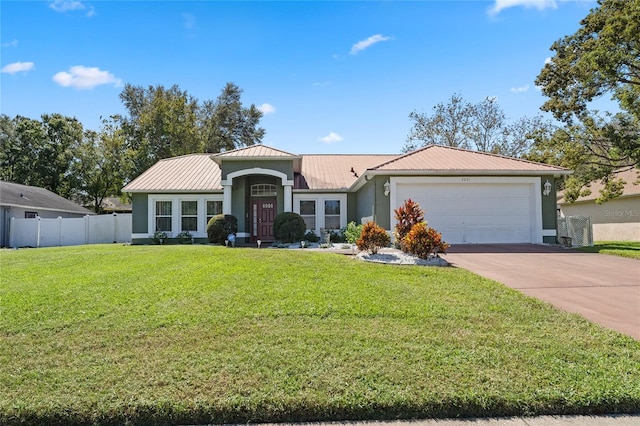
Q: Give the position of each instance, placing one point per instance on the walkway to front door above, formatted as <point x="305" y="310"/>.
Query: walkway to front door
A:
<point x="263" y="212"/>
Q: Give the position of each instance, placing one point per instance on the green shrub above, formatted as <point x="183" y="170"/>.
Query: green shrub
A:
<point x="424" y="241"/>
<point x="373" y="238"/>
<point x="220" y="226"/>
<point x="337" y="236"/>
<point x="185" y="237"/>
<point x="289" y="227"/>
<point x="353" y="232"/>
<point x="311" y="237"/>
<point x="159" y="237"/>
<point x="407" y="215"/>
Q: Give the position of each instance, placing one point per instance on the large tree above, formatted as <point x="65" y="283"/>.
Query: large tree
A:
<point x="225" y="124"/>
<point x="164" y="123"/>
<point x="101" y="164"/>
<point x="448" y="125"/>
<point x="54" y="159"/>
<point x="602" y="58"/>
<point x="482" y="127"/>
<point x="39" y="153"/>
<point x="11" y="153"/>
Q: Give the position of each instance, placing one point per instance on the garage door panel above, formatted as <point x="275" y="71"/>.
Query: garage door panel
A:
<point x="441" y="206"/>
<point x="474" y="213"/>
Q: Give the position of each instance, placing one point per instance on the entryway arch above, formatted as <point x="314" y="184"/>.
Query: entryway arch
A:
<point x="227" y="186"/>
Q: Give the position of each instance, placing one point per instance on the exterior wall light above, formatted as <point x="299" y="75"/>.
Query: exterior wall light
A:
<point x="547" y="188"/>
<point x="387" y="188"/>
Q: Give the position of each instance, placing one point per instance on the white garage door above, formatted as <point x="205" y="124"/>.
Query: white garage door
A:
<point x="474" y="212"/>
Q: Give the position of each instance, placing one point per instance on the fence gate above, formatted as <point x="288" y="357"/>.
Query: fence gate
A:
<point x="575" y="231"/>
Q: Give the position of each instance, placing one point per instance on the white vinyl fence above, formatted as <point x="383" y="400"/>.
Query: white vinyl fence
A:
<point x="39" y="232"/>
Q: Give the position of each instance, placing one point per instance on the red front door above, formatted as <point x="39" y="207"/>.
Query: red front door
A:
<point x="263" y="211"/>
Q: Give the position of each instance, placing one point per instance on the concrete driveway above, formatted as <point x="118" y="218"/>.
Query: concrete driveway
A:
<point x="604" y="289"/>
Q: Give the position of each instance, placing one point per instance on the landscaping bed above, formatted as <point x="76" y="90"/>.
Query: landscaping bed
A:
<point x="116" y="334"/>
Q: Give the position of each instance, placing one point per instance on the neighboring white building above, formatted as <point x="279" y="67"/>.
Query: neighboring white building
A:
<point x="23" y="202"/>
<point x="614" y="220"/>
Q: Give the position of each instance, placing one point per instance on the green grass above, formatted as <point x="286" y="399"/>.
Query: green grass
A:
<point x="199" y="334"/>
<point x="618" y="248"/>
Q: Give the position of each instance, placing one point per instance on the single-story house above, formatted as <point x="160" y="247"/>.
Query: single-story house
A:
<point x="112" y="205"/>
<point x="469" y="196"/>
<point x="613" y="220"/>
<point x="25" y="202"/>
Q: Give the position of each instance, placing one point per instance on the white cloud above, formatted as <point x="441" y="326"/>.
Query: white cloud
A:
<point x="363" y="44"/>
<point x="12" y="43"/>
<point x="520" y="89"/>
<point x="321" y="83"/>
<point x="500" y="5"/>
<point x="267" y="108"/>
<point x="548" y="60"/>
<point x="71" y="5"/>
<point x="332" y="137"/>
<point x="82" y="77"/>
<point x="17" y="67"/>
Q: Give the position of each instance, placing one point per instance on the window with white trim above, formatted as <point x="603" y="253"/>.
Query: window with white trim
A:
<point x="308" y="213"/>
<point x="214" y="207"/>
<point x="163" y="216"/>
<point x="189" y="216"/>
<point x="263" y="190"/>
<point x="332" y="214"/>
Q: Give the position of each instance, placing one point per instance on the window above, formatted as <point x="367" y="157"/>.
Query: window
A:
<point x="213" y="208"/>
<point x="263" y="190"/>
<point x="332" y="214"/>
<point x="308" y="213"/>
<point x="163" y="216"/>
<point x="189" y="215"/>
<point x="30" y="215"/>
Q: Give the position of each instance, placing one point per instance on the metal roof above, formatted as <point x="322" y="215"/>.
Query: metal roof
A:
<point x="337" y="172"/>
<point x="189" y="173"/>
<point x="631" y="188"/>
<point x="254" y="151"/>
<point x="448" y="159"/>
<point x="32" y="197"/>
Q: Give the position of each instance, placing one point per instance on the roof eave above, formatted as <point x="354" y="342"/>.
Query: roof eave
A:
<point x="216" y="158"/>
<point x="49" y="209"/>
<point x="623" y="196"/>
<point x="171" y="191"/>
<point x="324" y="190"/>
<point x="365" y="177"/>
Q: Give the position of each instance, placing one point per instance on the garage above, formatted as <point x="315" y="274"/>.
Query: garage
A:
<point x="475" y="210"/>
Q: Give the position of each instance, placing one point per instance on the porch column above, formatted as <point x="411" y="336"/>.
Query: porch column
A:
<point x="288" y="202"/>
<point x="226" y="198"/>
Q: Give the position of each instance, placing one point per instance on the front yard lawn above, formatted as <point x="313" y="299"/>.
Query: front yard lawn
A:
<point x="618" y="248"/>
<point x="112" y="334"/>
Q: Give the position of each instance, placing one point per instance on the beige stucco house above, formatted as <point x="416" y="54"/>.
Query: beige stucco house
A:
<point x="614" y="220"/>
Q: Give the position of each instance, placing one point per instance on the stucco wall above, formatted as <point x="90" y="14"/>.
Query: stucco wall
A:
<point x="365" y="203"/>
<point x="615" y="220"/>
<point x="283" y="166"/>
<point x="140" y="211"/>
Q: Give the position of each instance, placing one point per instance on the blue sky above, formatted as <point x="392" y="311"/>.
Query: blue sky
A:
<point x="331" y="77"/>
